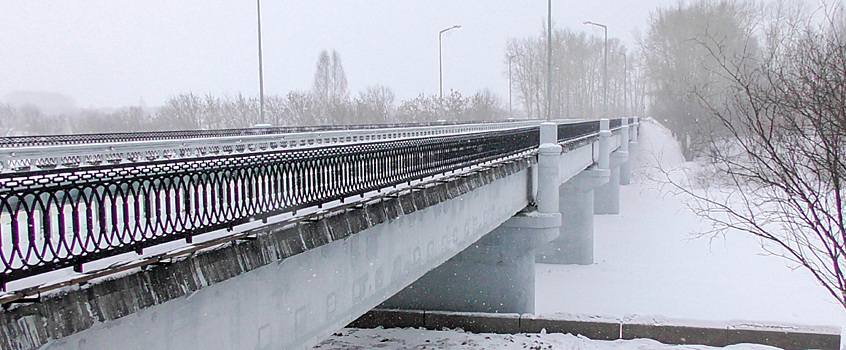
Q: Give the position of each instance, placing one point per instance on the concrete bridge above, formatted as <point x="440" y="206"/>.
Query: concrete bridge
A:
<point x="446" y="218"/>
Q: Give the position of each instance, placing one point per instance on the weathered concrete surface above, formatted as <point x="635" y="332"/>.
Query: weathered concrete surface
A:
<point x="784" y="340"/>
<point x="289" y="288"/>
<point x="677" y="334"/>
<point x="599" y="330"/>
<point x="474" y="322"/>
<point x="390" y="319"/>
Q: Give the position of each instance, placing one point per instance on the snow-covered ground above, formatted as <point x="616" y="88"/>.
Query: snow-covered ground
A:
<point x="648" y="264"/>
<point x="648" y="261"/>
<point x="410" y="338"/>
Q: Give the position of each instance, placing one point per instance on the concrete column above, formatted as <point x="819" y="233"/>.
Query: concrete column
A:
<point x="548" y="171"/>
<point x="495" y="274"/>
<point x="607" y="196"/>
<point x="625" y="167"/>
<point x="633" y="144"/>
<point x="574" y="244"/>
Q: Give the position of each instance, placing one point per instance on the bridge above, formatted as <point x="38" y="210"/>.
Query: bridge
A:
<point x="273" y="238"/>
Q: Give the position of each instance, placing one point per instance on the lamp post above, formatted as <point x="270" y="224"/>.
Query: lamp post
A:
<point x="605" y="67"/>
<point x="549" y="60"/>
<point x="510" y="57"/>
<point x="261" y="68"/>
<point x="440" y="58"/>
<point x="625" y="79"/>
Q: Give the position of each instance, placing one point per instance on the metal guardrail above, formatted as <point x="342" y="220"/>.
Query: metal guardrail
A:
<point x="577" y="130"/>
<point x="66" y="217"/>
<point x="71" y="139"/>
<point x="95" y="150"/>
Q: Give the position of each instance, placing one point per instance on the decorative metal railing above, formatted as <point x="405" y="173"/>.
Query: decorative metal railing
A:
<point x="577" y="130"/>
<point x="71" y="152"/>
<point x="57" y="218"/>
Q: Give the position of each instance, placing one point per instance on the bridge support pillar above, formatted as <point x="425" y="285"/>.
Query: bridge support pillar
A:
<point x="574" y="245"/>
<point x="626" y="168"/>
<point x="495" y="274"/>
<point x="607" y="196"/>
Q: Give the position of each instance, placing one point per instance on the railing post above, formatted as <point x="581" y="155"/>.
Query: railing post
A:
<point x="604" y="144"/>
<point x="625" y="167"/>
<point x="548" y="177"/>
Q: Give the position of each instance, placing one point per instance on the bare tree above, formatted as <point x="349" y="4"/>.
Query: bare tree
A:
<point x="375" y="105"/>
<point x="678" y="66"/>
<point x="8" y="118"/>
<point x="330" y="88"/>
<point x="780" y="158"/>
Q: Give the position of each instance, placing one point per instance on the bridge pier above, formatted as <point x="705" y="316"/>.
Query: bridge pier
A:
<point x="626" y="168"/>
<point x="497" y="273"/>
<point x="574" y="244"/>
<point x="607" y="196"/>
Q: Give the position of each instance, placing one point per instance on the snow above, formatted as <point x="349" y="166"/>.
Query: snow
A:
<point x="411" y="338"/>
<point x="649" y="261"/>
<point x="650" y="267"/>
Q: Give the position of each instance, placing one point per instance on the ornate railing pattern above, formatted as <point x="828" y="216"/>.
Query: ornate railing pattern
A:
<point x="58" y="218"/>
<point x="577" y="130"/>
<point x="70" y="151"/>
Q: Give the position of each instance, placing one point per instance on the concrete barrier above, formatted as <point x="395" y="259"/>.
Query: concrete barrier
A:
<point x="599" y="328"/>
<point x="784" y="339"/>
<point x="676" y="334"/>
<point x="390" y="319"/>
<point x="504" y="323"/>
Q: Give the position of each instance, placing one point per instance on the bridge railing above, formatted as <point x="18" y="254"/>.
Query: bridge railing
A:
<point x="24" y="154"/>
<point x="57" y="218"/>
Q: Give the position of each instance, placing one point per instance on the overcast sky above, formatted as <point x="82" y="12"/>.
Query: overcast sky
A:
<point x="112" y="53"/>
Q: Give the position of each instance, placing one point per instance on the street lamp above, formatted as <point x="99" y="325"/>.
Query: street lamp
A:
<point x="440" y="58"/>
<point x="549" y="60"/>
<point x="605" y="67"/>
<point x="261" y="68"/>
<point x="625" y="78"/>
<point x="510" y="57"/>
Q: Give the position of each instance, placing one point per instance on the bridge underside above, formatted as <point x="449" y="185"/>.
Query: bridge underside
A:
<point x="290" y="287"/>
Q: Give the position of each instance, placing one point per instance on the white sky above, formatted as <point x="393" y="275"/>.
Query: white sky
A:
<point x="111" y="53"/>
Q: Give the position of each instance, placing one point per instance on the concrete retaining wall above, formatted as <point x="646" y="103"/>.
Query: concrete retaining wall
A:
<point x="604" y="329"/>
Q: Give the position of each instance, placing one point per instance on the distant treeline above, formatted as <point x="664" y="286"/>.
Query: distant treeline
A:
<point x="327" y="103"/>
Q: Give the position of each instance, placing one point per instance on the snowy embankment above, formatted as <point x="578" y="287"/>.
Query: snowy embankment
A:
<point x="649" y="265"/>
<point x="649" y="261"/>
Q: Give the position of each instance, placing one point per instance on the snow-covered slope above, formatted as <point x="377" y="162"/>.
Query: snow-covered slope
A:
<point x="649" y="265"/>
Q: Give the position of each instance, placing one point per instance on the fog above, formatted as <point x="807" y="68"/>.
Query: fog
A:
<point x="108" y="54"/>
